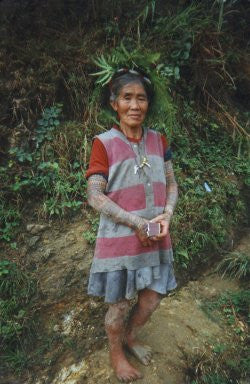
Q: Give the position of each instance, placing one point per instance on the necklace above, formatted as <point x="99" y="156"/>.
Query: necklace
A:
<point x="143" y="159"/>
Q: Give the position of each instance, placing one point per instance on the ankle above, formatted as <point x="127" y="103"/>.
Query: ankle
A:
<point x="117" y="356"/>
<point x="131" y="338"/>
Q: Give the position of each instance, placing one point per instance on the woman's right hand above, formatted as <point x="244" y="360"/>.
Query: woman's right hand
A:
<point x="146" y="242"/>
<point x="141" y="232"/>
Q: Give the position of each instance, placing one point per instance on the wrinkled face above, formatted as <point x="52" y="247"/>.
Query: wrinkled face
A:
<point x="131" y="105"/>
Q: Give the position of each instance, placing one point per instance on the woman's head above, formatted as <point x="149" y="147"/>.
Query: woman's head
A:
<point x="123" y="77"/>
<point x="130" y="96"/>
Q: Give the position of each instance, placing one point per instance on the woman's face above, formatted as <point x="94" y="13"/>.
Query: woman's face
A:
<point x="131" y="105"/>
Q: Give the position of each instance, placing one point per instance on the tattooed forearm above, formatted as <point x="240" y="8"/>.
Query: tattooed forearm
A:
<point x="99" y="201"/>
<point x="172" y="190"/>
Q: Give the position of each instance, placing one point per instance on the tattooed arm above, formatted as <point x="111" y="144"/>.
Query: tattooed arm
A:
<point x="172" y="190"/>
<point x="103" y="204"/>
<point x="172" y="196"/>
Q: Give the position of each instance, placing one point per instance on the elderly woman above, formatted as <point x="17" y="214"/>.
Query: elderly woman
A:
<point x="131" y="183"/>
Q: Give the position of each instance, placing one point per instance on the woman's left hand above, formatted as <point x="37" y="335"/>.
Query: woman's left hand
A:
<point x="164" y="222"/>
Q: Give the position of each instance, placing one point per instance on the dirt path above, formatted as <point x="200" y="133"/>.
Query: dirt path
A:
<point x="177" y="329"/>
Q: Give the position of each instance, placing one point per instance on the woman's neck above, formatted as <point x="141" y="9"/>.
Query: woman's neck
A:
<point x="132" y="132"/>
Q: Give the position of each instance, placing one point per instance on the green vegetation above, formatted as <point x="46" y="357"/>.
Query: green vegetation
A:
<point x="204" y="153"/>
<point x="235" y="265"/>
<point x="223" y="363"/>
<point x="93" y="222"/>
<point x="233" y="306"/>
<point x="51" y="168"/>
<point x="17" y="321"/>
<point x="220" y="364"/>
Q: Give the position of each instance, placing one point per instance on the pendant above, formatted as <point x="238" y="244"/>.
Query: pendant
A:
<point x="136" y="169"/>
<point x="144" y="162"/>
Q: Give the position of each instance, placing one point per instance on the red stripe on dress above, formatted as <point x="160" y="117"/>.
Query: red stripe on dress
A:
<point x="118" y="151"/>
<point x="154" y="144"/>
<point x="107" y="248"/>
<point x="131" y="198"/>
<point x="159" y="194"/>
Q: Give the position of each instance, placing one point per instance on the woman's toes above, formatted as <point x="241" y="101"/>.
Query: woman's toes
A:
<point x="123" y="379"/>
<point x="128" y="379"/>
<point x="142" y="353"/>
<point x="128" y="373"/>
<point x="146" y="360"/>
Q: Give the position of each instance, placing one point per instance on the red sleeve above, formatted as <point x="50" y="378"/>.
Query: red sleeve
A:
<point x="98" y="159"/>
<point x="164" y="142"/>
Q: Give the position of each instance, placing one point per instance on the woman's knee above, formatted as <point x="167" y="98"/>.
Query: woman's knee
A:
<point x="116" y="314"/>
<point x="149" y="300"/>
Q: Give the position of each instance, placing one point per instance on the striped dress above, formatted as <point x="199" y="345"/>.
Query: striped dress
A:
<point x="121" y="264"/>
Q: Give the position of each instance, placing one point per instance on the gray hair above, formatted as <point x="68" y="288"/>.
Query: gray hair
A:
<point x="131" y="76"/>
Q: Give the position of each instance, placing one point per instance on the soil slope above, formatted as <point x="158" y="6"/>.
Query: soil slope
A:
<point x="178" y="330"/>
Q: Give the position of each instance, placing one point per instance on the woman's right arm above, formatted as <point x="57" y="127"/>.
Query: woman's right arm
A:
<point x="103" y="204"/>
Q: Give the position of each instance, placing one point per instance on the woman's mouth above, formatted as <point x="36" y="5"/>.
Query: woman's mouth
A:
<point x="135" y="116"/>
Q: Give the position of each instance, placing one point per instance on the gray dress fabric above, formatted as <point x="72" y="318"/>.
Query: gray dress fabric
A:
<point x="117" y="285"/>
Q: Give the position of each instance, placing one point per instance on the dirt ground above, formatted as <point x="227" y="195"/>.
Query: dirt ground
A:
<point x="177" y="329"/>
<point x="60" y="257"/>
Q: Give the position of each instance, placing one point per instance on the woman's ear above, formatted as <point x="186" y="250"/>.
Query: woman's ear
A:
<point x="113" y="105"/>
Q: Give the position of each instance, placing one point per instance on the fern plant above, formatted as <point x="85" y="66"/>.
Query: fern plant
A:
<point x="119" y="58"/>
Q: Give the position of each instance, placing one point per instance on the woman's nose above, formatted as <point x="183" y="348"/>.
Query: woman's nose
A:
<point x="134" y="104"/>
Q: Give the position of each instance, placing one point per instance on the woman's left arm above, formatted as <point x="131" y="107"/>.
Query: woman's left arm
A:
<point x="172" y="197"/>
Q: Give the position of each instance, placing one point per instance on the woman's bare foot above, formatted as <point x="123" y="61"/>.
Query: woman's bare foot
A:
<point x="124" y="371"/>
<point x="148" y="301"/>
<point x="142" y="352"/>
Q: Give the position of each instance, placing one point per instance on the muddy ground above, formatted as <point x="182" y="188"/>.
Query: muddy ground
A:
<point x="60" y="257"/>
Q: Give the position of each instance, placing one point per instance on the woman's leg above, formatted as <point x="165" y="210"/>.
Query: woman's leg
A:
<point x="147" y="303"/>
<point x="115" y="328"/>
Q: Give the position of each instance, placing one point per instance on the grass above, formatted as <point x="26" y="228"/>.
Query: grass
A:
<point x="18" y="313"/>
<point x="235" y="265"/>
<point x="232" y="307"/>
<point x="224" y="362"/>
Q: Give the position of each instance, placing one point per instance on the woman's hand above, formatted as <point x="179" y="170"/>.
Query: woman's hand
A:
<point x="164" y="221"/>
<point x="144" y="239"/>
<point x="141" y="233"/>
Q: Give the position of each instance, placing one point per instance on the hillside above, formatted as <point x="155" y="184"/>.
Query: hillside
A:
<point x="52" y="107"/>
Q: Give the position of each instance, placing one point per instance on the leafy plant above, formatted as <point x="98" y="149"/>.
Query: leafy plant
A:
<point x="57" y="177"/>
<point x="48" y="124"/>
<point x="9" y="220"/>
<point x="178" y="57"/>
<point x="119" y="58"/>
<point x="233" y="306"/>
<point x="90" y="234"/>
<point x="21" y="154"/>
